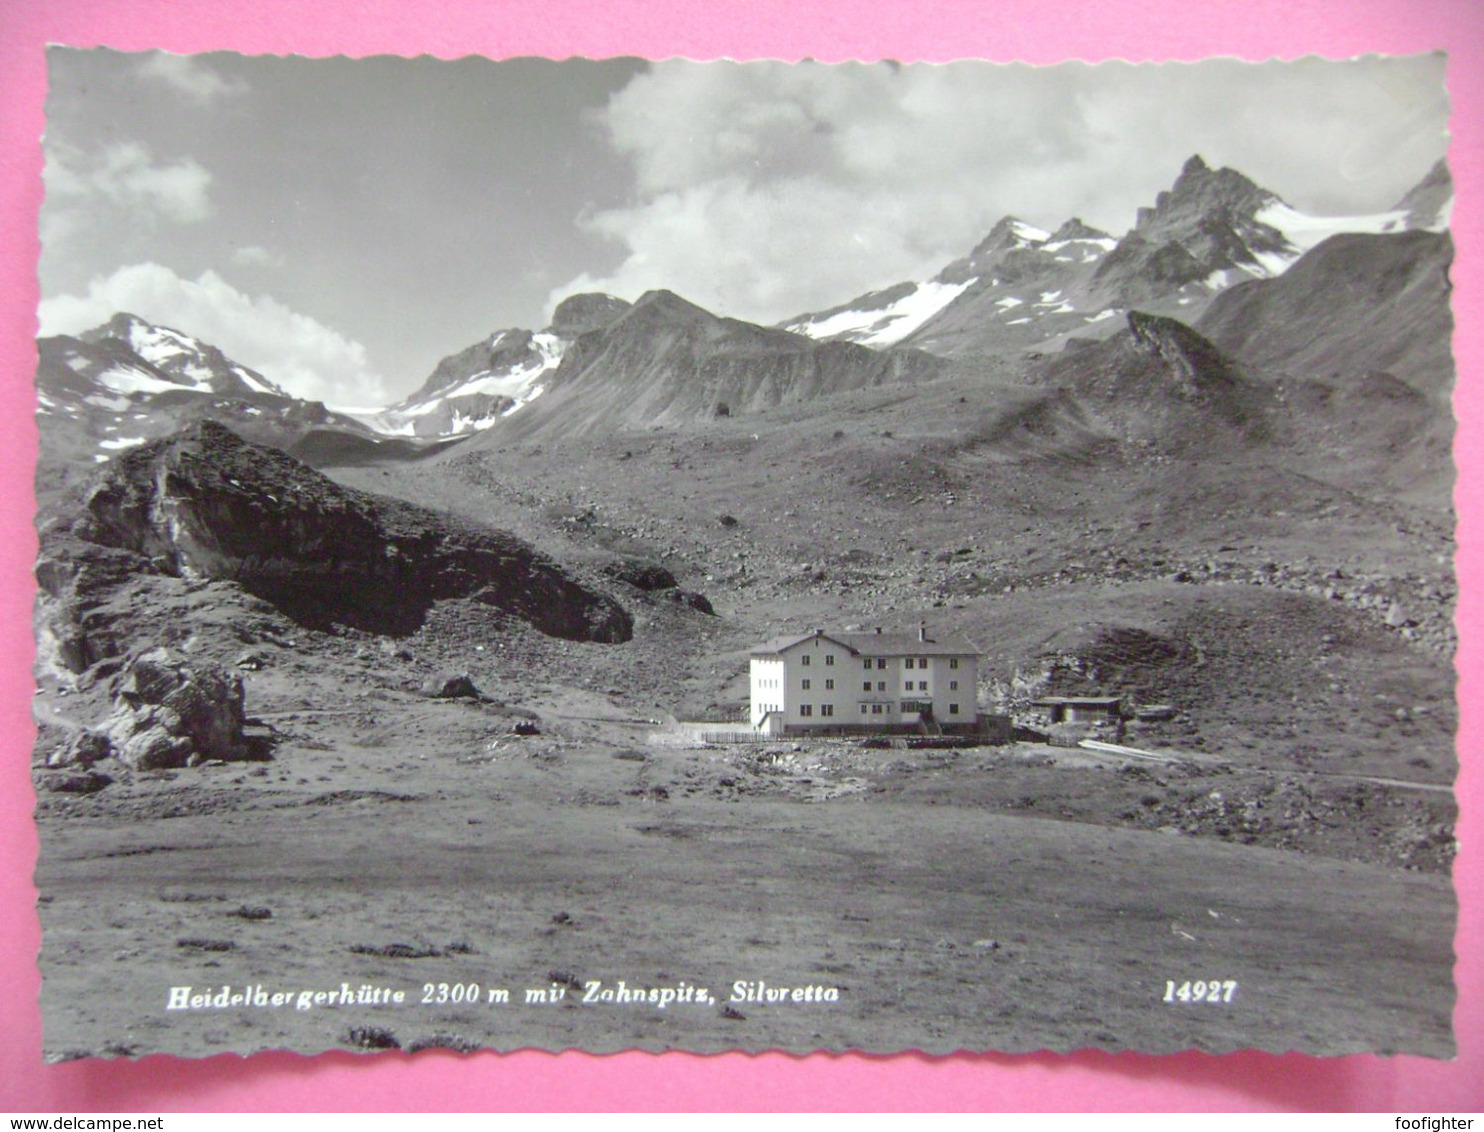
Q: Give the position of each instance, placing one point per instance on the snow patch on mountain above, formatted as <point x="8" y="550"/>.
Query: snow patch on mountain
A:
<point x="888" y="325"/>
<point x="518" y="382"/>
<point x="476" y="402"/>
<point x="129" y="381"/>
<point x="1029" y="233"/>
<point x="1304" y="231"/>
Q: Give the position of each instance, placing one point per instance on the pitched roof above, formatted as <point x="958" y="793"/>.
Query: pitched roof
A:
<point x="907" y="644"/>
<point x="778" y="644"/>
<point x="878" y="644"/>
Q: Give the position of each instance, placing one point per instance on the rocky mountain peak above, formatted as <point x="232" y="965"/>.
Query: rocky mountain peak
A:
<point x="1199" y="189"/>
<point x="121" y="326"/>
<point x="579" y="314"/>
<point x="1008" y="232"/>
<point x="661" y="308"/>
<point x="179" y="357"/>
<point x="1077" y="229"/>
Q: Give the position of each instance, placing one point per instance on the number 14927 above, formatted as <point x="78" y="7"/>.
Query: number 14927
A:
<point x="1200" y="990"/>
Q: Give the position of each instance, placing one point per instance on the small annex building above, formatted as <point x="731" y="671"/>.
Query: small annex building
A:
<point x="1081" y="709"/>
<point x="873" y="681"/>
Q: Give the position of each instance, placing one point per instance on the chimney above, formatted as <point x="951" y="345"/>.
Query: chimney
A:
<point x="922" y="630"/>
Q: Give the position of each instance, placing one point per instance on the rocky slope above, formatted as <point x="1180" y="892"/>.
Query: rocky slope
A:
<point x="1162" y="385"/>
<point x="1356" y="304"/>
<point x="665" y="362"/>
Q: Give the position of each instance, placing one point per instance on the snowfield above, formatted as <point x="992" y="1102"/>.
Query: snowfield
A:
<point x="886" y="326"/>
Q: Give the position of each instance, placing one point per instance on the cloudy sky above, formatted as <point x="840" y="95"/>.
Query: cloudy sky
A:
<point x="343" y="224"/>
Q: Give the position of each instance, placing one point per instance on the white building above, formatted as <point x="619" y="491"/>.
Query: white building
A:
<point x="864" y="681"/>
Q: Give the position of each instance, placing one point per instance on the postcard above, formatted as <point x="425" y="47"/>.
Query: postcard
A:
<point x="613" y="554"/>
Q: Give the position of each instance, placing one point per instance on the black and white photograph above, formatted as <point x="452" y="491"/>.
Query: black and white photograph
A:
<point x="661" y="555"/>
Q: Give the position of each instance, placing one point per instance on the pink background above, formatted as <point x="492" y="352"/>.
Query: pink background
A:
<point x="1037" y="31"/>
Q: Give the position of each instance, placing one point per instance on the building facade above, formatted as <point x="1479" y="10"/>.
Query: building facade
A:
<point x="864" y="682"/>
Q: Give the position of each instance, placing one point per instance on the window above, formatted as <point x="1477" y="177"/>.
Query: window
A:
<point x="953" y="685"/>
<point x="863" y="709"/>
<point x="881" y="685"/>
<point x="805" y="683"/>
<point x="953" y="663"/>
<point x="867" y="663"/>
<point x="804" y="660"/>
<point x="865" y="685"/>
<point x="826" y="709"/>
<point x="829" y="660"/>
<point x="829" y="685"/>
<point x="952" y="709"/>
<point x="909" y="662"/>
<point x="806" y="709"/>
<point x="922" y="662"/>
<point x="875" y="709"/>
<point x="881" y="663"/>
<point x="922" y="685"/>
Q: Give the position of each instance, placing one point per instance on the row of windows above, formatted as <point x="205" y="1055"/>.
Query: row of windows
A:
<point x="921" y="662"/>
<point x="829" y="659"/>
<point x="922" y="685"/>
<point x="824" y="709"/>
<point x="880" y="709"/>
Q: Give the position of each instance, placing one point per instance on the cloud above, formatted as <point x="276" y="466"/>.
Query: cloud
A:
<point x="305" y="357"/>
<point x="126" y="176"/>
<point x="764" y="190"/>
<point x="254" y="255"/>
<point x="189" y="76"/>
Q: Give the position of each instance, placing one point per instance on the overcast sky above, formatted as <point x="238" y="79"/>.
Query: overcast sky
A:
<point x="342" y="224"/>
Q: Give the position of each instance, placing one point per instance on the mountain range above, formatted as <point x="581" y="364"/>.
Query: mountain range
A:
<point x="1022" y="286"/>
<point x="1271" y="288"/>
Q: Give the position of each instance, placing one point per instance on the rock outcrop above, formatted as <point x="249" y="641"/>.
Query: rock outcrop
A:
<point x="1160" y="383"/>
<point x="167" y="713"/>
<point x="206" y="505"/>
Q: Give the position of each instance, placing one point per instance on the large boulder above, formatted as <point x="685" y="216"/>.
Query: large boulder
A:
<point x="169" y="714"/>
<point x="205" y="504"/>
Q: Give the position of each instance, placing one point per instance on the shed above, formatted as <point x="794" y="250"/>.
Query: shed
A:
<point x="1082" y="709"/>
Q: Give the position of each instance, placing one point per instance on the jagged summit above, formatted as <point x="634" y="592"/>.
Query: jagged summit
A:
<point x="1077" y="229"/>
<point x="1201" y="188"/>
<point x="1008" y="232"/>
